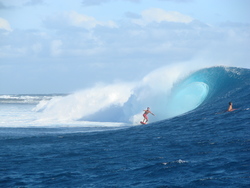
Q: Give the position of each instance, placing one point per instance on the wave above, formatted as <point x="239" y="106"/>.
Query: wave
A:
<point x="169" y="92"/>
<point x="119" y="102"/>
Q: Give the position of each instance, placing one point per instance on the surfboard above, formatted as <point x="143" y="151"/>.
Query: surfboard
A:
<point x="143" y="123"/>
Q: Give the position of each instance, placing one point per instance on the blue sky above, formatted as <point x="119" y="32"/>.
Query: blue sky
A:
<point x="62" y="46"/>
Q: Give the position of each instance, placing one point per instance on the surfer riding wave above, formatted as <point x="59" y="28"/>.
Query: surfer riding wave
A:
<point x="145" y="115"/>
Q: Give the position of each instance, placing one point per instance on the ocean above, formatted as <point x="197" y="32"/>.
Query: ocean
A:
<point x="93" y="138"/>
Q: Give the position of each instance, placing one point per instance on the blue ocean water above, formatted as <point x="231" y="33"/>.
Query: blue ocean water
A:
<point x="192" y="141"/>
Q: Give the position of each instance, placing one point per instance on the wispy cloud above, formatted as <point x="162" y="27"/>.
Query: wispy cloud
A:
<point x="4" y="24"/>
<point x="34" y="2"/>
<point x="178" y="1"/>
<point x="74" y="19"/>
<point x="99" y="2"/>
<point x="159" y="15"/>
<point x="153" y="34"/>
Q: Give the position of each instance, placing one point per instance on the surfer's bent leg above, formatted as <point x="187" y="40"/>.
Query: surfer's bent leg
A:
<point x="145" y="117"/>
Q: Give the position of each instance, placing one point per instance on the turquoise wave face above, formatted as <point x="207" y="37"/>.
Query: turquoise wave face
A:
<point x="187" y="98"/>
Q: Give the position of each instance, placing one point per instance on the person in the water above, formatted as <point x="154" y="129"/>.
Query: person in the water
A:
<point x="230" y="107"/>
<point x="145" y="115"/>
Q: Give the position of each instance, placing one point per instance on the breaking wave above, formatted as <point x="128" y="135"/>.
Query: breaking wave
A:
<point x="168" y="91"/>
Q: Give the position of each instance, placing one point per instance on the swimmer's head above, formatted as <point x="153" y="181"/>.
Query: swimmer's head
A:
<point x="230" y="103"/>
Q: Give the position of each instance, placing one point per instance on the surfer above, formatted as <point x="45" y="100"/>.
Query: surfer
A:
<point x="145" y="115"/>
<point x="230" y="107"/>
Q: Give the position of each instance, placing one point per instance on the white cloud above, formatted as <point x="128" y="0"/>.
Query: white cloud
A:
<point x="99" y="2"/>
<point x="8" y="51"/>
<point x="34" y="2"/>
<point x="133" y="49"/>
<point x="37" y="48"/>
<point x="178" y="1"/>
<point x="56" y="47"/>
<point x="4" y="24"/>
<point x="158" y="15"/>
<point x="75" y="19"/>
<point x="88" y="22"/>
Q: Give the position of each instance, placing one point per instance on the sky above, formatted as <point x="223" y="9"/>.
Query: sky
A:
<point x="63" y="46"/>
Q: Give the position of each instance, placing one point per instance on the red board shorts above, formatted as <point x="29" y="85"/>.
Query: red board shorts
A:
<point x="145" y="116"/>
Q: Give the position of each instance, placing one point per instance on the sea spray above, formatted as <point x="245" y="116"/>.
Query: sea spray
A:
<point x="83" y="103"/>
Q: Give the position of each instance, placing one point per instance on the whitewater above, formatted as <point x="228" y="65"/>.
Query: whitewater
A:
<point x="93" y="138"/>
